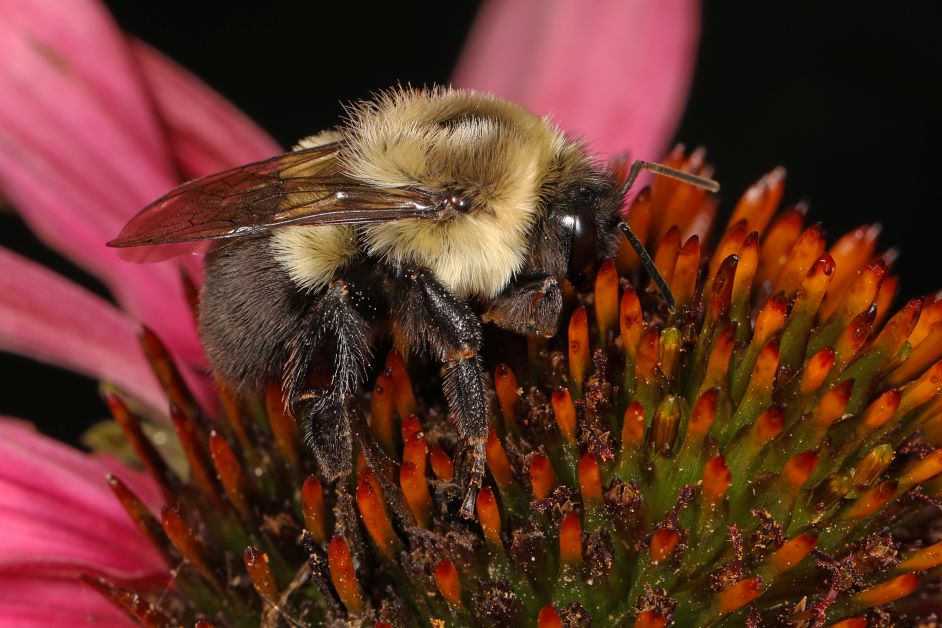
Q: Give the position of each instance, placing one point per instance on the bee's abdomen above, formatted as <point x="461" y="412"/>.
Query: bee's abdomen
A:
<point x="250" y="311"/>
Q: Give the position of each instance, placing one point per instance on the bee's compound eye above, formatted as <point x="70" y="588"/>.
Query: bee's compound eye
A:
<point x="457" y="203"/>
<point x="583" y="251"/>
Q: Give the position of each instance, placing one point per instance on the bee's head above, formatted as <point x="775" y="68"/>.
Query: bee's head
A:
<point x="585" y="219"/>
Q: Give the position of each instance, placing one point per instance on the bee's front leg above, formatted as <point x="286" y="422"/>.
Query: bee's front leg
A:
<point x="426" y="314"/>
<point x="530" y="305"/>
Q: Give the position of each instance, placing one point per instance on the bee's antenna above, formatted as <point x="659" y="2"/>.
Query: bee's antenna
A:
<point x="648" y="264"/>
<point x="636" y="167"/>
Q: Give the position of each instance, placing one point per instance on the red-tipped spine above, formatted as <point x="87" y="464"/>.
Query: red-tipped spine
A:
<point x="446" y="577"/>
<point x="497" y="461"/>
<point x="143" y="447"/>
<point x="739" y="594"/>
<point x="570" y="539"/>
<point x="548" y="618"/>
<point x="131" y="602"/>
<point x="686" y="271"/>
<point x="881" y="410"/>
<point x="167" y="374"/>
<point x="541" y="476"/>
<point x="410" y="426"/>
<point x="382" y="405"/>
<point x="188" y="545"/>
<point x="442" y="466"/>
<point x="716" y="479"/>
<point x="606" y="299"/>
<point x="564" y="409"/>
<point x="769" y="425"/>
<point x="256" y="564"/>
<point x="230" y="474"/>
<point x="489" y="516"/>
<point x="283" y="426"/>
<point x="142" y="517"/>
<point x="871" y="501"/>
<point x="832" y="405"/>
<point x="192" y="442"/>
<point x="631" y="322"/>
<point x="800" y="257"/>
<point x="374" y="516"/>
<point x="632" y="428"/>
<point x="579" y="348"/>
<point x="508" y="394"/>
<point x="416" y="493"/>
<point x="315" y="512"/>
<point x="646" y="358"/>
<point x="590" y="480"/>
<point x="921" y="470"/>
<point x="792" y="552"/>
<point x="889" y="591"/>
<point x="402" y="384"/>
<point x="650" y="619"/>
<point x="922" y="560"/>
<point x="343" y="575"/>
<point x="817" y="370"/>
<point x="799" y="468"/>
<point x="415" y="450"/>
<point x="663" y="543"/>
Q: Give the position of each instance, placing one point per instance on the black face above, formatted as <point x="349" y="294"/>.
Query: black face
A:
<point x="587" y="222"/>
<point x="582" y="231"/>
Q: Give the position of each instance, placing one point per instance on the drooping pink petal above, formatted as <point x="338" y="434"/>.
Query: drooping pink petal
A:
<point x="36" y="601"/>
<point x="58" y="517"/>
<point x="205" y="132"/>
<point x="81" y="150"/>
<point x="48" y="318"/>
<point x="614" y="71"/>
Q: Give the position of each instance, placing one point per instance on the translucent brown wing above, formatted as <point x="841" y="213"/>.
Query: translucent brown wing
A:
<point x="303" y="187"/>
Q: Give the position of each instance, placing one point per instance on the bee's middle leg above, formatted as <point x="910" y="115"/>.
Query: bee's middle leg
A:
<point x="427" y="314"/>
<point x="332" y="323"/>
<point x="530" y="305"/>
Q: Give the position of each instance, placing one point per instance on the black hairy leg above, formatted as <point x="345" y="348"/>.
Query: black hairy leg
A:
<point x="333" y="324"/>
<point x="427" y="315"/>
<point x="529" y="305"/>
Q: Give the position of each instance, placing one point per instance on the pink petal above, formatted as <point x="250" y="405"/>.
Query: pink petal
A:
<point x="46" y="317"/>
<point x="81" y="151"/>
<point x="206" y="133"/>
<point x="35" y="601"/>
<point x="58" y="517"/>
<point x="615" y="72"/>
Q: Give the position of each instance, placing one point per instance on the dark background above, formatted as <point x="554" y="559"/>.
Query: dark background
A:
<point x="847" y="98"/>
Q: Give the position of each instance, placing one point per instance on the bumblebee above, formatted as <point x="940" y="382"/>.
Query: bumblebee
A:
<point x="423" y="208"/>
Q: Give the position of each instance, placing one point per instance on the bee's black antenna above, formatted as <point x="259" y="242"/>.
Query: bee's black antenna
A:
<point x="648" y="264"/>
<point x="636" y="167"/>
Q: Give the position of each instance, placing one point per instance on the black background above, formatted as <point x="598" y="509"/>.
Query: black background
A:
<point x="845" y="96"/>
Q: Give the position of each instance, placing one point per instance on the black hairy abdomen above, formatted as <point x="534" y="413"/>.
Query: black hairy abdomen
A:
<point x="250" y="311"/>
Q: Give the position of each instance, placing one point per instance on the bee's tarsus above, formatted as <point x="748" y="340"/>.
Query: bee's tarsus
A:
<point x="474" y="482"/>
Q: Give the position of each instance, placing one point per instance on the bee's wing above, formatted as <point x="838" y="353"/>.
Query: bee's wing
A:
<point x="302" y="187"/>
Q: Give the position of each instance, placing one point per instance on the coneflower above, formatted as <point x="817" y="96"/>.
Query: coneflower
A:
<point x="765" y="454"/>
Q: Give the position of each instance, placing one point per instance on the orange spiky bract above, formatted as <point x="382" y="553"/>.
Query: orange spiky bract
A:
<point x="763" y="455"/>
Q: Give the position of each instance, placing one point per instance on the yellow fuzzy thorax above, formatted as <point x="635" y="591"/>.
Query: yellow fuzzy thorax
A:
<point x="494" y="153"/>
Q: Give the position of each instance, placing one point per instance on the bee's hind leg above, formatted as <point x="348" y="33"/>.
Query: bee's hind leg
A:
<point x="428" y="315"/>
<point x="332" y="322"/>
